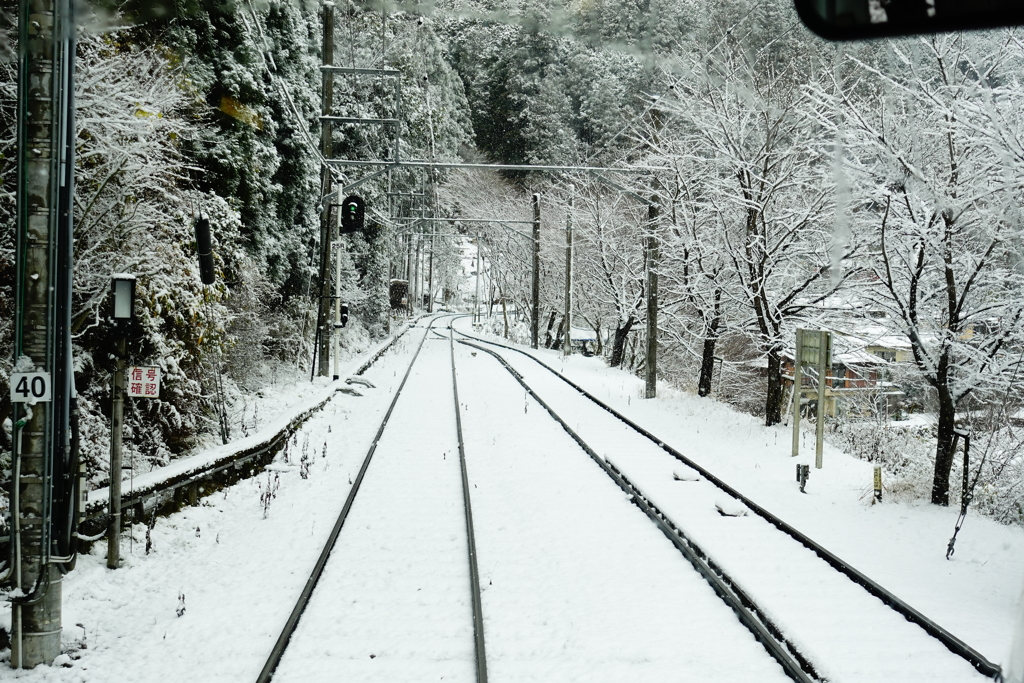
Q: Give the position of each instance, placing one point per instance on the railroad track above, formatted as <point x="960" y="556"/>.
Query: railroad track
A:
<point x="404" y="596"/>
<point x="405" y="551"/>
<point x="189" y="480"/>
<point x="772" y="585"/>
<point x="383" y="635"/>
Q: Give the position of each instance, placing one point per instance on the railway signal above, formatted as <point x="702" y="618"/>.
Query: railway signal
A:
<point x="353" y="211"/>
<point x="204" y="247"/>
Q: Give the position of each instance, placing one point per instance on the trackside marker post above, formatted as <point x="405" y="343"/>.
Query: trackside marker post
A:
<point x="814" y="349"/>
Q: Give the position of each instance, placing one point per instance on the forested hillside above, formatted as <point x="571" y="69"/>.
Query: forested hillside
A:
<point x="872" y="189"/>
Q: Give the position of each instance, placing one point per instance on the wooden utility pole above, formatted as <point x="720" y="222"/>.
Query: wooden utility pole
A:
<point x="567" y="336"/>
<point x="535" y="312"/>
<point x="326" y="104"/>
<point x="43" y="281"/>
<point x="653" y="256"/>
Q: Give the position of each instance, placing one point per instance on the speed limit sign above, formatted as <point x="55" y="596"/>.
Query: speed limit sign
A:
<point x="30" y="386"/>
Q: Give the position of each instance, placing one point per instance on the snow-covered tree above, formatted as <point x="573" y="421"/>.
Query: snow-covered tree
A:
<point x="747" y="124"/>
<point x="937" y="185"/>
<point x="695" y="272"/>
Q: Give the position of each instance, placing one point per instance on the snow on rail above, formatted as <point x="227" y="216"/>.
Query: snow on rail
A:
<point x="192" y="468"/>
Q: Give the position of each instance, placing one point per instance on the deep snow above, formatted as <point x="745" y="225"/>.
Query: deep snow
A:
<point x="578" y="585"/>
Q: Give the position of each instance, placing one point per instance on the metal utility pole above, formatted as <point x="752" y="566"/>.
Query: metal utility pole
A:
<point x="824" y="363"/>
<point x="408" y="269"/>
<point x="326" y="104"/>
<point x="416" y="288"/>
<point x="42" y="321"/>
<point x="340" y="246"/>
<point x="116" y="429"/>
<point x="567" y="338"/>
<point x="535" y="313"/>
<point x="653" y="256"/>
<point x="430" y="285"/>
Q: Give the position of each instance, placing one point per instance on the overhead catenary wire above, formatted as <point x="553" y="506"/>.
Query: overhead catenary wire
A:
<point x="271" y="67"/>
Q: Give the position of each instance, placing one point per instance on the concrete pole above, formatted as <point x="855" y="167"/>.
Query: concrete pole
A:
<point x="326" y="104"/>
<point x="653" y="257"/>
<point x="797" y="380"/>
<point x="339" y="246"/>
<point x="45" y="124"/>
<point x="535" y="312"/>
<point x="116" y="430"/>
<point x="430" y="284"/>
<point x="567" y="336"/>
<point x="476" y="297"/>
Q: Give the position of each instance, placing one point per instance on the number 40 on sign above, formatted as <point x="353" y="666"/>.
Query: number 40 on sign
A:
<point x="143" y="381"/>
<point x="30" y="387"/>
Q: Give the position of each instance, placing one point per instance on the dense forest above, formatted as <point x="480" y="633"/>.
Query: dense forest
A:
<point x="871" y="189"/>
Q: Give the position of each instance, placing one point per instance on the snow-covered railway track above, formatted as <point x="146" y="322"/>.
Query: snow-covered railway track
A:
<point x="825" y="623"/>
<point x="391" y="598"/>
<point x="576" y="586"/>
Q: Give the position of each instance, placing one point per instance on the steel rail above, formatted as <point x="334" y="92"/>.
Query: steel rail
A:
<point x="267" y="673"/>
<point x="96" y="512"/>
<point x="474" y="571"/>
<point x="954" y="644"/>
<point x="795" y="665"/>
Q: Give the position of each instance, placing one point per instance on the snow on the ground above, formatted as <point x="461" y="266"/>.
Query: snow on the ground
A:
<point x="577" y="584"/>
<point x="286" y="386"/>
<point x="283" y="405"/>
<point x="394" y="600"/>
<point x="900" y="545"/>
<point x="239" y="562"/>
<point x="845" y="633"/>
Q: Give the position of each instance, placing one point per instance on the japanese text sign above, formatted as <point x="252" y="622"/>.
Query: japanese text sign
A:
<point x="143" y="382"/>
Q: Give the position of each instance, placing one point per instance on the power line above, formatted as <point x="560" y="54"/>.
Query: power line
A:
<point x="271" y="67"/>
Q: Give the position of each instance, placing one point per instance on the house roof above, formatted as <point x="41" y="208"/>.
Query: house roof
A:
<point x="858" y="357"/>
<point x="580" y="334"/>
